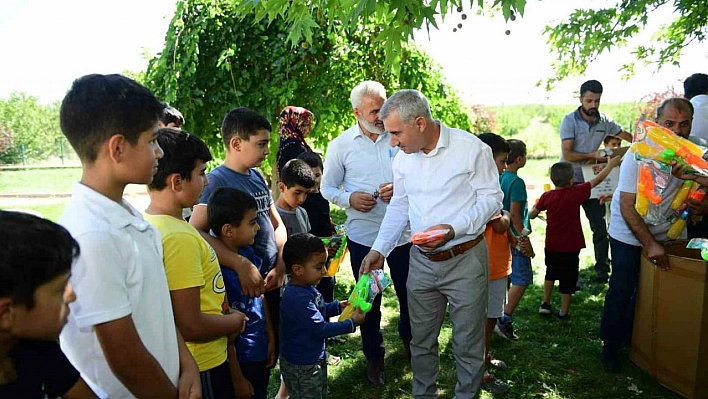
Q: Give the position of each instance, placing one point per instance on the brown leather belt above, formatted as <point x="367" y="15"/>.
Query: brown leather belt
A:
<point x="458" y="249"/>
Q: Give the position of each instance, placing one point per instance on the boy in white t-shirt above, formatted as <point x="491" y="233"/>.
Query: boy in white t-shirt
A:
<point x="121" y="332"/>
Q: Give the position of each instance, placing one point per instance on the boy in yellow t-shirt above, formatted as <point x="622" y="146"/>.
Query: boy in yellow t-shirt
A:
<point x="193" y="274"/>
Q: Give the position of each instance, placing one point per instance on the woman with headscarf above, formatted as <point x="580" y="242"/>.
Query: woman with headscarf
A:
<point x="294" y="125"/>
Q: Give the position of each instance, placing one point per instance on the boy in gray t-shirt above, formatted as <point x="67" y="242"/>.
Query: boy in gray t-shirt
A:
<point x="296" y="181"/>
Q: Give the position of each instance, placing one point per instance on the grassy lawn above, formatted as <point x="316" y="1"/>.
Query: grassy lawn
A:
<point x="550" y="360"/>
<point x="38" y="180"/>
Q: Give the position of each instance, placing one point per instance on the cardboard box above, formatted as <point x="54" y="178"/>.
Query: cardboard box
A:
<point x="607" y="186"/>
<point x="670" y="336"/>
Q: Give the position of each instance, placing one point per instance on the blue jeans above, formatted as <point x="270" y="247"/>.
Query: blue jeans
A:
<point x="398" y="261"/>
<point x="600" y="240"/>
<point x="618" y="314"/>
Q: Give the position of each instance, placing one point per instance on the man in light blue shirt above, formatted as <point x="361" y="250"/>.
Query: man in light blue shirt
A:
<point x="582" y="132"/>
<point x="358" y="177"/>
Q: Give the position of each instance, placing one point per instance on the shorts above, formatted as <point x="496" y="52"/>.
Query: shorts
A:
<point x="497" y="298"/>
<point x="564" y="267"/>
<point x="305" y="382"/>
<point x="521" y="273"/>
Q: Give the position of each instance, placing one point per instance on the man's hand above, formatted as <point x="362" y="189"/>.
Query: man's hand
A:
<point x="603" y="199"/>
<point x="614" y="161"/>
<point x="657" y="254"/>
<point x="372" y="261"/>
<point x="332" y="249"/>
<point x="189" y="385"/>
<point x="274" y="279"/>
<point x="343" y="304"/>
<point x="243" y="388"/>
<point x="698" y="208"/>
<point x="681" y="171"/>
<point x="358" y="317"/>
<point x="386" y="192"/>
<point x="362" y="202"/>
<point x="435" y="244"/>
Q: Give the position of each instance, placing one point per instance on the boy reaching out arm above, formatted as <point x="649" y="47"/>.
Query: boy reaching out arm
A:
<point x="304" y="318"/>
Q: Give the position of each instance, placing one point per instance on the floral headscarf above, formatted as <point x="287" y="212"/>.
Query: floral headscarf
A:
<point x="293" y="122"/>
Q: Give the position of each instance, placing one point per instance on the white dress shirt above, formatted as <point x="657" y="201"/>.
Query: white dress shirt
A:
<point x="120" y="272"/>
<point x="699" y="128"/>
<point x="457" y="183"/>
<point x="356" y="163"/>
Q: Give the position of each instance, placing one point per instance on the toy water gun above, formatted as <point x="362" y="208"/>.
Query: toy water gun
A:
<point x="678" y="226"/>
<point x="680" y="197"/>
<point x="339" y="255"/>
<point x="676" y="148"/>
<point x="359" y="298"/>
<point x="425" y="237"/>
<point x="645" y="191"/>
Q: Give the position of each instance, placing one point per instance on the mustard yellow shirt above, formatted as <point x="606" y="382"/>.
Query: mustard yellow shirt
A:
<point x="191" y="262"/>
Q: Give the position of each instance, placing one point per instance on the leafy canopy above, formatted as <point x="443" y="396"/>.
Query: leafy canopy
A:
<point x="577" y="41"/>
<point x="213" y="62"/>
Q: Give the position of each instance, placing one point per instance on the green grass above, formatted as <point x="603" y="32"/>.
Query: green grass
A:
<point x="38" y="180"/>
<point x="51" y="209"/>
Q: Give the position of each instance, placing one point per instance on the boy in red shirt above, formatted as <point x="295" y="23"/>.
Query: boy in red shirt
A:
<point x="564" y="234"/>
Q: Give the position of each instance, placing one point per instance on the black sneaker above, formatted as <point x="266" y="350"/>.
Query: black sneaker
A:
<point x="545" y="309"/>
<point x="506" y="330"/>
<point x="565" y="317"/>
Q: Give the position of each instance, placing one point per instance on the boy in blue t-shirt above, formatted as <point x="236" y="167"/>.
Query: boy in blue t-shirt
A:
<point x="246" y="136"/>
<point x="232" y="218"/>
<point x="516" y="203"/>
<point x="304" y="315"/>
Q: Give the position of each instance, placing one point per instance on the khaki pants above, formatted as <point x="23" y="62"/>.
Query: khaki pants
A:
<point x="462" y="283"/>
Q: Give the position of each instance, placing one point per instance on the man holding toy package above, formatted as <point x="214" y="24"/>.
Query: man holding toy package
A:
<point x="443" y="179"/>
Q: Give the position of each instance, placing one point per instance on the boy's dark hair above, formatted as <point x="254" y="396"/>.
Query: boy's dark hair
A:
<point x="34" y="252"/>
<point x="182" y="151"/>
<point x="228" y="205"/>
<point x="243" y="123"/>
<point x="591" y="85"/>
<point x="561" y="174"/>
<point x="171" y="115"/>
<point x="518" y="149"/>
<point x="498" y="144"/>
<point x="679" y="103"/>
<point x="299" y="247"/>
<point x="297" y="172"/>
<point x="98" y="107"/>
<point x="695" y="84"/>
<point x="312" y="159"/>
<point x="610" y="137"/>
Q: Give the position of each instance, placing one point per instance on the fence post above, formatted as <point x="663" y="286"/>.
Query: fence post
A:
<point x="61" y="151"/>
<point x="22" y="152"/>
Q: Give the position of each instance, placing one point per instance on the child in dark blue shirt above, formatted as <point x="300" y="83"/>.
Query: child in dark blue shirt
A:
<point x="35" y="264"/>
<point x="303" y="316"/>
<point x="232" y="216"/>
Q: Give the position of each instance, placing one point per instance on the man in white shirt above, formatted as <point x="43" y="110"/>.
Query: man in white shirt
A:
<point x="695" y="88"/>
<point x="629" y="233"/>
<point x="358" y="177"/>
<point x="445" y="179"/>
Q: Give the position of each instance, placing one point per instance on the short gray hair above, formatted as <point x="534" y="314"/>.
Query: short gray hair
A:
<point x="678" y="103"/>
<point x="409" y="104"/>
<point x="366" y="88"/>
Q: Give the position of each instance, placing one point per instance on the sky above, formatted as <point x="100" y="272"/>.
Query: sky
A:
<point x="46" y="44"/>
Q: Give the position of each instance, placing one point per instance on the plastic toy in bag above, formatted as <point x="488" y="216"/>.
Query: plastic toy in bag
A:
<point x="364" y="293"/>
<point x="425" y="237"/>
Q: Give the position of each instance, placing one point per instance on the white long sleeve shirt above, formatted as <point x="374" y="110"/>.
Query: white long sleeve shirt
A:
<point x="457" y="183"/>
<point x="356" y="163"/>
